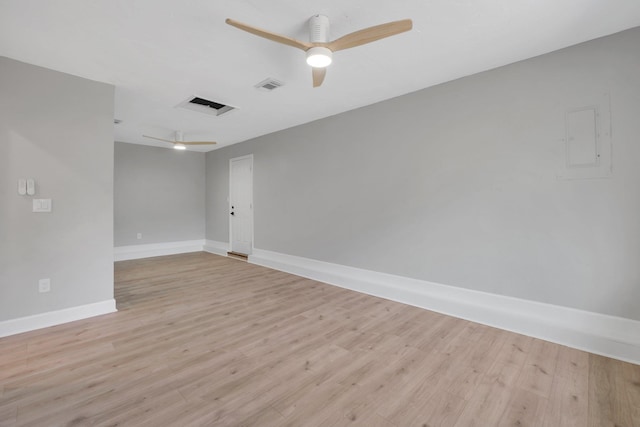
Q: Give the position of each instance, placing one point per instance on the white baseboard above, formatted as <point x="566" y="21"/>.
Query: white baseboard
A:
<point x="52" y="318"/>
<point x="123" y="253"/>
<point x="215" y="247"/>
<point x="597" y="333"/>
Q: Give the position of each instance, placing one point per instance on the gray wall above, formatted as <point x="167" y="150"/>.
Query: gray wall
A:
<point x="457" y="184"/>
<point x="57" y="129"/>
<point x="159" y="192"/>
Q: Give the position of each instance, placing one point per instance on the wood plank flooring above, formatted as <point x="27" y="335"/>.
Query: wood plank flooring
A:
<point x="204" y="340"/>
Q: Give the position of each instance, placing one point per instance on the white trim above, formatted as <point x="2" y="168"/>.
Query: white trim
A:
<point x="597" y="333"/>
<point x="52" y="318"/>
<point x="215" y="247"/>
<point x="122" y="253"/>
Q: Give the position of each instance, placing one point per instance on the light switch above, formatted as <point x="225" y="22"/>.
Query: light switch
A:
<point x="22" y="186"/>
<point x="41" y="205"/>
<point x="31" y="187"/>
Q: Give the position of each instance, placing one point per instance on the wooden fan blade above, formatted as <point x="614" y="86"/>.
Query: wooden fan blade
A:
<point x="370" y="34"/>
<point x="318" y="76"/>
<point x="160" y="139"/>
<point x="269" y="35"/>
<point x="197" y="142"/>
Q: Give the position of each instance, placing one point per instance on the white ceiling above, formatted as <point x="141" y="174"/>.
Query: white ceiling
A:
<point x="158" y="53"/>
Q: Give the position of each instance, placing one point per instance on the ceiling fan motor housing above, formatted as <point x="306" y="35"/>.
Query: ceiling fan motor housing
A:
<point x="319" y="29"/>
<point x="319" y="56"/>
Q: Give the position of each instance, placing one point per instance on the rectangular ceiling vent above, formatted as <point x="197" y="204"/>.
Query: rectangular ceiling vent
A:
<point x="205" y="106"/>
<point x="269" y="84"/>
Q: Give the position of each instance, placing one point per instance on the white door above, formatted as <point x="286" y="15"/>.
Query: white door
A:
<point x="241" y="204"/>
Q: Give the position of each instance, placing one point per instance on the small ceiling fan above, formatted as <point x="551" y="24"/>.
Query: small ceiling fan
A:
<point x="319" y="49"/>
<point x="179" y="143"/>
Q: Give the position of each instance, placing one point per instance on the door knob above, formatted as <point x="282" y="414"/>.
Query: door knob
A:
<point x="232" y="213"/>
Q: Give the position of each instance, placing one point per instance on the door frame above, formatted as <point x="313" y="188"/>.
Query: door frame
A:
<point x="250" y="157"/>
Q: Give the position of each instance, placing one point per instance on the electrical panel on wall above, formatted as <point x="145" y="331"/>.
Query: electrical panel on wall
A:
<point x="587" y="141"/>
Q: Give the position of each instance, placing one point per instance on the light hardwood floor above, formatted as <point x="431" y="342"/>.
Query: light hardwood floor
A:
<point x="204" y="340"/>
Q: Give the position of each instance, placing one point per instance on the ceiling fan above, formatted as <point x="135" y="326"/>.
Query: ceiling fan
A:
<point x="319" y="49"/>
<point x="179" y="143"/>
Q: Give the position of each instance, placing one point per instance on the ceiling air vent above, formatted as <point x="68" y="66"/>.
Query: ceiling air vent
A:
<point x="269" y="84"/>
<point x="205" y="106"/>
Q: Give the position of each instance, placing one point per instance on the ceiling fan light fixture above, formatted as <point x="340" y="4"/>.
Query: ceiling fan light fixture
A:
<point x="319" y="49"/>
<point x="179" y="146"/>
<point x="319" y="57"/>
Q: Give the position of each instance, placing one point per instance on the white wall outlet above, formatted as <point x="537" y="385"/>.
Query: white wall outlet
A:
<point x="139" y="236"/>
<point x="41" y="205"/>
<point x="44" y="285"/>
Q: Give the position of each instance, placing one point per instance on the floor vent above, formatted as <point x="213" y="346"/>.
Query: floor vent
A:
<point x="202" y="105"/>
<point x="237" y="255"/>
<point x="269" y="84"/>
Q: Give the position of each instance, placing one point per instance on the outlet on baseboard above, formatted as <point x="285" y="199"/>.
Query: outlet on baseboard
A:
<point x="44" y="285"/>
<point x="139" y="236"/>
